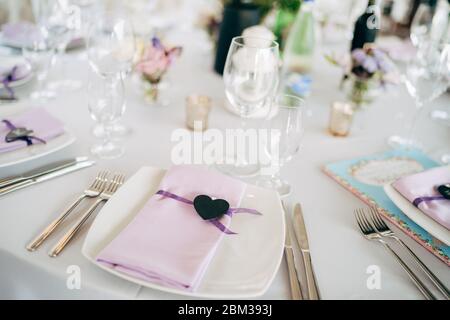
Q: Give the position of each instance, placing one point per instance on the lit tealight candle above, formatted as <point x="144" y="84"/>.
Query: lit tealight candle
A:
<point x="340" y="119"/>
<point x="197" y="111"/>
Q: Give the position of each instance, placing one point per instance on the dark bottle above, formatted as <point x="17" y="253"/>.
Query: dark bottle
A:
<point x="366" y="27"/>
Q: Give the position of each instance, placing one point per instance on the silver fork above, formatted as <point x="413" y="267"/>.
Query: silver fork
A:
<point x="112" y="187"/>
<point x="370" y="233"/>
<point x="92" y="191"/>
<point x="384" y="230"/>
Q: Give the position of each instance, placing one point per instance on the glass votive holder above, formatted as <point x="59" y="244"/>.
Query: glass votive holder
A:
<point x="341" y="117"/>
<point x="197" y="112"/>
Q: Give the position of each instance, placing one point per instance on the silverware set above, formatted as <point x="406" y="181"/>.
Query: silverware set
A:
<point x="294" y="273"/>
<point x="101" y="190"/>
<point x="374" y="228"/>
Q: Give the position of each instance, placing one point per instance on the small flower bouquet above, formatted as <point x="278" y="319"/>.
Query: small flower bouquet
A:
<point x="367" y="70"/>
<point x="153" y="64"/>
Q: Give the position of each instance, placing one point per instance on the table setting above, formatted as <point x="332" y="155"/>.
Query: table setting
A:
<point x="295" y="165"/>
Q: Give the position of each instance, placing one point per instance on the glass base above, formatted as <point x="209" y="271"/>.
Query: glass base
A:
<point x="445" y="159"/>
<point x="282" y="187"/>
<point x="108" y="150"/>
<point x="66" y="85"/>
<point x="398" y="142"/>
<point x="238" y="170"/>
<point x="43" y="95"/>
<point x="117" y="131"/>
<point x="441" y="116"/>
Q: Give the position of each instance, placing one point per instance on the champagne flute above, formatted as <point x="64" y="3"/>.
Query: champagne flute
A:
<point x="425" y="80"/>
<point x="286" y="129"/>
<point x="251" y="77"/>
<point x="106" y="103"/>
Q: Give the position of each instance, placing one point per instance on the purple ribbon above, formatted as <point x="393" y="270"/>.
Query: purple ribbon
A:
<point x="28" y="139"/>
<point x="419" y="200"/>
<point x="8" y="78"/>
<point x="215" y="221"/>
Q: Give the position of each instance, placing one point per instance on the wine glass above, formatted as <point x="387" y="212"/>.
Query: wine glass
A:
<point x="251" y="80"/>
<point x="40" y="54"/>
<point x="425" y="80"/>
<point x="111" y="49"/>
<point x="286" y="129"/>
<point x="421" y="25"/>
<point x="63" y="21"/>
<point x="106" y="103"/>
<point x="111" y="46"/>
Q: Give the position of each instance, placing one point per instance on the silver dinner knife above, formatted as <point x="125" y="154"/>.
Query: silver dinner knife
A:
<point x="40" y="171"/>
<point x="296" y="291"/>
<point x="54" y="174"/>
<point x="302" y="238"/>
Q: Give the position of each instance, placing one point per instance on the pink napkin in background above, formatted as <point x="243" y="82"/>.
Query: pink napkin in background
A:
<point x="168" y="243"/>
<point x="424" y="184"/>
<point x="43" y="124"/>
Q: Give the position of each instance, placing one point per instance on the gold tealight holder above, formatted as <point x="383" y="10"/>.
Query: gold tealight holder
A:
<point x="341" y="117"/>
<point x="197" y="112"/>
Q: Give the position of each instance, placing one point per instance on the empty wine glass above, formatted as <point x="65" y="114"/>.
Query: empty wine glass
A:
<point x="106" y="103"/>
<point x="251" y="80"/>
<point x="421" y="24"/>
<point x="63" y="21"/>
<point x="111" y="50"/>
<point x="40" y="54"/>
<point x="285" y="133"/>
<point x="425" y="79"/>
<point x="111" y="46"/>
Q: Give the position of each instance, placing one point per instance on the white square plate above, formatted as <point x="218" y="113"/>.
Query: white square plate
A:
<point x="244" y="265"/>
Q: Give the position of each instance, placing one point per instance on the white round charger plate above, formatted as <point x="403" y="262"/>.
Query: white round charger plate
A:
<point x="416" y="215"/>
<point x="243" y="266"/>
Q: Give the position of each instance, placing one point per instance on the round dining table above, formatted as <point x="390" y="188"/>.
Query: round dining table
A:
<point x="343" y="260"/>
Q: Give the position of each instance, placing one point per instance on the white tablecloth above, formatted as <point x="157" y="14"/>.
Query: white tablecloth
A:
<point x="341" y="257"/>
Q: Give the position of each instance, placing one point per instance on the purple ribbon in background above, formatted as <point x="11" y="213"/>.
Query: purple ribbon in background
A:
<point x="23" y="134"/>
<point x="7" y="78"/>
<point x="216" y="221"/>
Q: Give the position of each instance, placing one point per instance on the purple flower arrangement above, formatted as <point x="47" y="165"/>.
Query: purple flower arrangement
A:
<point x="368" y="69"/>
<point x="368" y="63"/>
<point x="156" y="60"/>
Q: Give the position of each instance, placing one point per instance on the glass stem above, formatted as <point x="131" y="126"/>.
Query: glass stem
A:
<point x="412" y="129"/>
<point x="61" y="55"/>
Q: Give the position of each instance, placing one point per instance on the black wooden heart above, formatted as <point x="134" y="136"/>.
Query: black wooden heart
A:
<point x="208" y="208"/>
<point x="444" y="190"/>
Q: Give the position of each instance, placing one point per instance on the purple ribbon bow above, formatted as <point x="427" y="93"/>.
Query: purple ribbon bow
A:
<point x="7" y="78"/>
<point x="419" y="200"/>
<point x="216" y="221"/>
<point x="27" y="137"/>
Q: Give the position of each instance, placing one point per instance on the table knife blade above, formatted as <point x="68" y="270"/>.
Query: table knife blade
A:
<point x="40" y="171"/>
<point x="302" y="239"/>
<point x="29" y="182"/>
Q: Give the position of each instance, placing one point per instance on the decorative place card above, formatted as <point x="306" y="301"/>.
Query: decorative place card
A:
<point x="365" y="178"/>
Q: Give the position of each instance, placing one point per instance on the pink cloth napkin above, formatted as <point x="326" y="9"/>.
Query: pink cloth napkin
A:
<point x="424" y="184"/>
<point x="43" y="124"/>
<point x="168" y="243"/>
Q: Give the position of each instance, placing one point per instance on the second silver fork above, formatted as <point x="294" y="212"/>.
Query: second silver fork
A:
<point x="106" y="194"/>
<point x="370" y="233"/>
<point x="384" y="231"/>
<point x="92" y="191"/>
